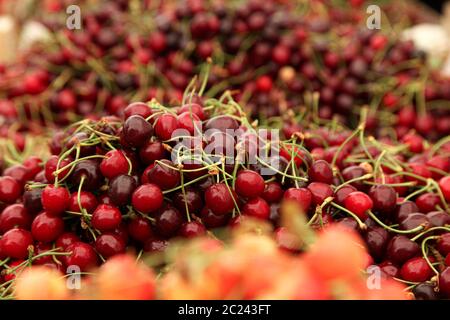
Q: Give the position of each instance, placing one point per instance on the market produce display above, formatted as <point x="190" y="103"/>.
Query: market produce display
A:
<point x="207" y="139"/>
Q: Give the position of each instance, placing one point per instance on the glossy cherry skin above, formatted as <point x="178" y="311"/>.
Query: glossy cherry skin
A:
<point x="41" y="248"/>
<point x="219" y="199"/>
<point x="121" y="189"/>
<point x="222" y="123"/>
<point x="87" y="199"/>
<point x="147" y="198"/>
<point x="415" y="220"/>
<point x="428" y="202"/>
<point x="272" y="192"/>
<point x="389" y="269"/>
<point x="114" y="164"/>
<point x="165" y="125"/>
<point x="257" y="208"/>
<point x="136" y="131"/>
<point x="401" y="248"/>
<point x="151" y="151"/>
<point x="66" y="239"/>
<point x="249" y="184"/>
<point x="194" y="108"/>
<point x="52" y="164"/>
<point x="444" y="185"/>
<point x="320" y="191"/>
<point x="321" y="171"/>
<point x="10" y="190"/>
<point x="438" y="218"/>
<point x="341" y="193"/>
<point x="425" y="291"/>
<point x="301" y="196"/>
<point x="211" y="219"/>
<point x="13" y="216"/>
<point x="404" y="209"/>
<point x="192" y="229"/>
<point x="46" y="227"/>
<point x="109" y="244"/>
<point x="443" y="244"/>
<point x="15" y="243"/>
<point x="80" y="137"/>
<point x="168" y="221"/>
<point x="377" y="239"/>
<point x="354" y="172"/>
<point x="82" y="255"/>
<point x="416" y="270"/>
<point x="165" y="175"/>
<point x="19" y="172"/>
<point x="191" y="197"/>
<point x="140" y="229"/>
<point x="137" y="108"/>
<point x="55" y="200"/>
<point x="88" y="171"/>
<point x="384" y="198"/>
<point x="189" y="122"/>
<point x="106" y="218"/>
<point x="444" y="282"/>
<point x="358" y="202"/>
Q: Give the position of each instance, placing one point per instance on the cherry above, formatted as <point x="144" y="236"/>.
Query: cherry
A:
<point x="155" y="245"/>
<point x="444" y="185"/>
<point x="377" y="239"/>
<point x="109" y="244"/>
<point x="272" y="192"/>
<point x="188" y="121"/>
<point x="384" y="198"/>
<point x="192" y="229"/>
<point x="400" y="249"/>
<point x="414" y="142"/>
<point x="147" y="198"/>
<point x="89" y="171"/>
<point x="19" y="172"/>
<point x="439" y="162"/>
<point x="13" y="216"/>
<point x="359" y="203"/>
<point x="443" y="244"/>
<point x="416" y="270"/>
<point x="165" y="125"/>
<point x="55" y="200"/>
<point x="438" y="218"/>
<point x="168" y="221"/>
<point x="15" y="243"/>
<point x="191" y="198"/>
<point x="249" y="184"/>
<point x="219" y="199"/>
<point x="121" y="189"/>
<point x="419" y="169"/>
<point x="32" y="200"/>
<point x="404" y="209"/>
<point x="321" y="171"/>
<point x="152" y="151"/>
<point x="320" y="191"/>
<point x="46" y="227"/>
<point x="10" y="190"/>
<point x="137" y="108"/>
<point x="87" y="199"/>
<point x="354" y="172"/>
<point x="428" y="202"/>
<point x="195" y="109"/>
<point x="164" y="174"/>
<point x="76" y="139"/>
<point x="289" y="150"/>
<point x="136" y="131"/>
<point x="41" y="248"/>
<point x="342" y="193"/>
<point x="302" y="196"/>
<point x="425" y="291"/>
<point x="52" y="164"/>
<point x="114" y="164"/>
<point x="257" y="208"/>
<point x="222" y="123"/>
<point x="106" y="218"/>
<point x="66" y="239"/>
<point x="389" y="269"/>
<point x="140" y="229"/>
<point x="81" y="255"/>
<point x="211" y="219"/>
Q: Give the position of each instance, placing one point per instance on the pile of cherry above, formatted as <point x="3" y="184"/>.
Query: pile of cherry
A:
<point x="117" y="185"/>
<point x="264" y="50"/>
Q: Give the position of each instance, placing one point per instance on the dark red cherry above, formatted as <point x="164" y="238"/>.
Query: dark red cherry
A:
<point x="147" y="198"/>
<point x="32" y="200"/>
<point x="14" y="216"/>
<point x="137" y="108"/>
<point x="272" y="192"/>
<point x="82" y="255"/>
<point x="257" y="208"/>
<point x="195" y="109"/>
<point x="66" y="239"/>
<point x="416" y="270"/>
<point x="121" y="189"/>
<point x="413" y="220"/>
<point x="191" y="197"/>
<point x="212" y="220"/>
<point x="165" y="174"/>
<point x="222" y="123"/>
<point x="321" y="171"/>
<point x="88" y="171"/>
<point x="354" y="172"/>
<point x="425" y="291"/>
<point x="443" y="244"/>
<point x="219" y="198"/>
<point x="320" y="191"/>
<point x="137" y="131"/>
<point x="444" y="282"/>
<point x="438" y="218"/>
<point x="428" y="202"/>
<point x="401" y="248"/>
<point x="249" y="184"/>
<point x="140" y="229"/>
<point x="165" y="125"/>
<point x="155" y="245"/>
<point x="389" y="269"/>
<point x="384" y="198"/>
<point x="168" y="221"/>
<point x="377" y="239"/>
<point x="404" y="209"/>
<point x="342" y="193"/>
<point x="192" y="229"/>
<point x="152" y="151"/>
<point x="109" y="244"/>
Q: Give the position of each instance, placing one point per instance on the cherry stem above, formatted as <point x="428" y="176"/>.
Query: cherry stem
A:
<point x="361" y="224"/>
<point x="375" y="218"/>
<point x="425" y="253"/>
<point x="429" y="230"/>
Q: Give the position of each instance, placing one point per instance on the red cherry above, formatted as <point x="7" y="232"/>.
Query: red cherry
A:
<point x="114" y="164"/>
<point x="151" y="151"/>
<point x="140" y="229"/>
<point x="444" y="185"/>
<point x="321" y="171"/>
<point x="106" y="218"/>
<point x="109" y="244"/>
<point x="444" y="282"/>
<point x="55" y="199"/>
<point x="320" y="191"/>
<point x="195" y="109"/>
<point x="414" y="142"/>
<point x="10" y="190"/>
<point x="164" y="174"/>
<point x="428" y="202"/>
<point x="272" y="192"/>
<point x="15" y="243"/>
<point x="416" y="270"/>
<point x="192" y="229"/>
<point x="41" y="248"/>
<point x="147" y="198"/>
<point x="289" y="150"/>
<point x="249" y="184"/>
<point x="264" y="84"/>
<point x="165" y="125"/>
<point x="66" y="239"/>
<point x="189" y="121"/>
<point x="52" y="164"/>
<point x="34" y="165"/>
<point x="81" y="255"/>
<point x="443" y="244"/>
<point x="358" y="202"/>
<point x="46" y="227"/>
<point x="219" y="199"/>
<point x="14" y="216"/>
<point x="438" y="162"/>
<point x="212" y="220"/>
<point x="137" y="108"/>
<point x="302" y="196"/>
<point x="257" y="208"/>
<point x="88" y="201"/>
<point x="342" y="193"/>
<point x="19" y="172"/>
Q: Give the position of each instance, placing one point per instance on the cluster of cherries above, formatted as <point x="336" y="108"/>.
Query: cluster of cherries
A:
<point x="116" y="185"/>
<point x="263" y="50"/>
